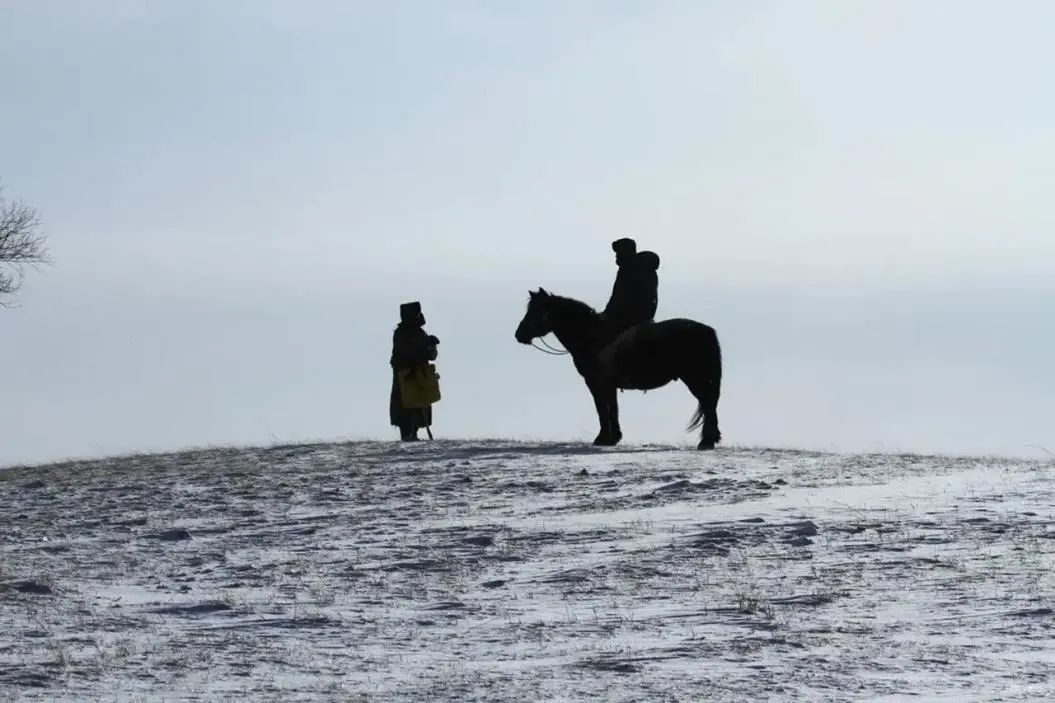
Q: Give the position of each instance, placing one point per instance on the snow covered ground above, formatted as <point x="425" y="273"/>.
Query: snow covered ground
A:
<point x="502" y="571"/>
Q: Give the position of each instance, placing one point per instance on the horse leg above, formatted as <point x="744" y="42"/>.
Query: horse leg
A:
<point x="706" y="394"/>
<point x="613" y="415"/>
<point x="604" y="398"/>
<point x="710" y="435"/>
<point x="602" y="415"/>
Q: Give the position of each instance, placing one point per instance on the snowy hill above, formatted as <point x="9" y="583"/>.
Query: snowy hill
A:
<point x="501" y="571"/>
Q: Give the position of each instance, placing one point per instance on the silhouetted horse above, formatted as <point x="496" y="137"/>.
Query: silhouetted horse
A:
<point x="642" y="358"/>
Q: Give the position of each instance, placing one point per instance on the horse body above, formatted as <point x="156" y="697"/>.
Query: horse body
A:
<point x="645" y="357"/>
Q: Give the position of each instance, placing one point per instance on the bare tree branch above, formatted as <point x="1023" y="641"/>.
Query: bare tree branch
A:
<point x="21" y="245"/>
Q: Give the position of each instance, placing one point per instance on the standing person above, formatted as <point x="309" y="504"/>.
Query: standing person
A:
<point x="412" y="350"/>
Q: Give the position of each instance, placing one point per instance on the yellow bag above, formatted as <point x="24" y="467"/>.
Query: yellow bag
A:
<point x="419" y="387"/>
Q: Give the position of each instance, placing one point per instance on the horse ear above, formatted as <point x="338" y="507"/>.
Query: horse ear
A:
<point x="542" y="291"/>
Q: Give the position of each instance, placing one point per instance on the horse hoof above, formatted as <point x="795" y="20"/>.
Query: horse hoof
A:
<point x="705" y="445"/>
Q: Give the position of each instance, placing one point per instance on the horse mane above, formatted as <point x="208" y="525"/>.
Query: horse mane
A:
<point x="576" y="306"/>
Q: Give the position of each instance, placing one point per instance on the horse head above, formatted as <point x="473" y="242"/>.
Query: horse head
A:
<point x="536" y="322"/>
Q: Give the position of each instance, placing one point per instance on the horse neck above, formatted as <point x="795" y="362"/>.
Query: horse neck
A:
<point x="574" y="323"/>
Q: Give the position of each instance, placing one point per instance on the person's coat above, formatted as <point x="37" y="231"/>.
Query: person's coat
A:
<point x="412" y="348"/>
<point x="635" y="294"/>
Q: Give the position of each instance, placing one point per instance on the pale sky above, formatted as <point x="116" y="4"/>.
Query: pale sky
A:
<point x="238" y="195"/>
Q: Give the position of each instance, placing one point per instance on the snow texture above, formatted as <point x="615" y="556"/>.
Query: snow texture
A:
<point x="503" y="571"/>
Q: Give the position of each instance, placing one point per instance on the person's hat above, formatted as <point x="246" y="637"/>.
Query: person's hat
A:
<point x="624" y="246"/>
<point x="410" y="312"/>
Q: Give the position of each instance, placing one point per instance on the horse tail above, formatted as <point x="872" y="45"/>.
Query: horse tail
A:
<point x="697" y="418"/>
<point x="712" y="376"/>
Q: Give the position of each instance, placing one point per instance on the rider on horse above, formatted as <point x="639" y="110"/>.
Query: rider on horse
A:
<point x="635" y="294"/>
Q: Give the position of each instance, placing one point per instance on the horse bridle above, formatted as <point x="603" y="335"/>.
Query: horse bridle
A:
<point x="546" y="348"/>
<point x="552" y="351"/>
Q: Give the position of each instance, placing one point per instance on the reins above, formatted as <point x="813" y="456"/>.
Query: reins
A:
<point x="552" y="351"/>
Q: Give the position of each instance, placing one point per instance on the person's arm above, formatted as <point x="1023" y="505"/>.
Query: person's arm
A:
<point x="420" y="349"/>
<point x="618" y="298"/>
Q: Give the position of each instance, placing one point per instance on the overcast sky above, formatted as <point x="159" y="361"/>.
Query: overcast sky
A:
<point x="238" y="195"/>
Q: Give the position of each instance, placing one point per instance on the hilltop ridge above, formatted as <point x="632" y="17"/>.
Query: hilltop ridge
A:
<point x="487" y="568"/>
